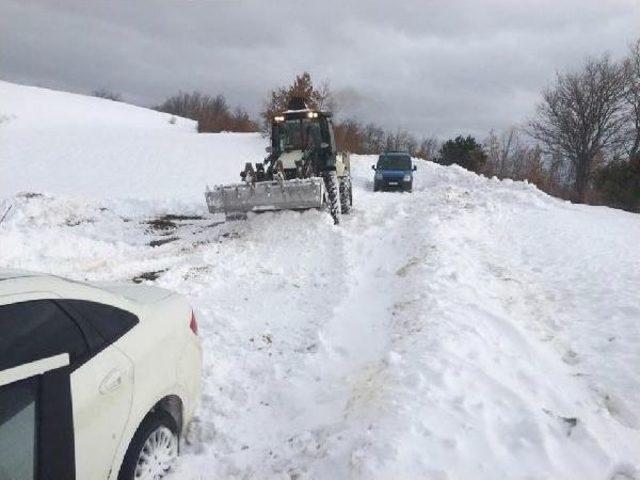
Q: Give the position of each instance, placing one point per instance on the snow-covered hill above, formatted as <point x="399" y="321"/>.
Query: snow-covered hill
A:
<point x="474" y="329"/>
<point x="62" y="143"/>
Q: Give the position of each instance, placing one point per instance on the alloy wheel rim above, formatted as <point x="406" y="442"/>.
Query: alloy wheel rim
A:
<point x="158" y="455"/>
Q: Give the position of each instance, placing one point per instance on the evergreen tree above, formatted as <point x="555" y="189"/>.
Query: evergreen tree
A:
<point x="465" y="152"/>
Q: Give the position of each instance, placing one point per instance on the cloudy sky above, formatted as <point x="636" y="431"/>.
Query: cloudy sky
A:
<point x="432" y="67"/>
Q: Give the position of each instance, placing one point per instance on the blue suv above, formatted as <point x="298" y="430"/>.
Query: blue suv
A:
<point x="393" y="172"/>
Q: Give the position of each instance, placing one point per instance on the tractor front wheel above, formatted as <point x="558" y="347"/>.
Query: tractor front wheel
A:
<point x="333" y="195"/>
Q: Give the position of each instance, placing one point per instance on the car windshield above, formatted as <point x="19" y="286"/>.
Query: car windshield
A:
<point x="394" y="162"/>
<point x="299" y="134"/>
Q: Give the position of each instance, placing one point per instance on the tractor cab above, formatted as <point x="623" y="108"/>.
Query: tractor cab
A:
<point x="300" y="137"/>
<point x="302" y="130"/>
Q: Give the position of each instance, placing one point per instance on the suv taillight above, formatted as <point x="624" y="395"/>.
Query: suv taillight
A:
<point x="193" y="325"/>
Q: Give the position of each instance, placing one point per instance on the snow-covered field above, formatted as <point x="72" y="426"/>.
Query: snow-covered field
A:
<point x="94" y="148"/>
<point x="474" y="329"/>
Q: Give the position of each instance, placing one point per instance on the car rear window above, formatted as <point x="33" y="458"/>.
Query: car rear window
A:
<point x="37" y="329"/>
<point x="109" y="321"/>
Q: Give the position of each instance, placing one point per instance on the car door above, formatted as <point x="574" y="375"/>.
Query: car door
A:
<point x="18" y="430"/>
<point x="101" y="393"/>
<point x="39" y="347"/>
<point x="102" y="389"/>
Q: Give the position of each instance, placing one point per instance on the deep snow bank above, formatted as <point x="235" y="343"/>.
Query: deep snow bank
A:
<point x="63" y="143"/>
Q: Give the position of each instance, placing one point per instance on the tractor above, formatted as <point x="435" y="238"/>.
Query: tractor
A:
<point x="303" y="170"/>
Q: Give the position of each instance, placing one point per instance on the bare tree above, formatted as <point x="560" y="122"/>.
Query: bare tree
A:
<point x="373" y="139"/>
<point x="501" y="153"/>
<point x="632" y="101"/>
<point x="409" y="144"/>
<point x="349" y="136"/>
<point x="401" y="140"/>
<point x="428" y="148"/>
<point x="325" y="98"/>
<point x="107" y="94"/>
<point x="581" y="116"/>
<point x="510" y="156"/>
<point x="242" y="122"/>
<point x="213" y="114"/>
<point x="320" y="98"/>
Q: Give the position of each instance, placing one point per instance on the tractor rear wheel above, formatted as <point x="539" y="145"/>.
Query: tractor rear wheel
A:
<point x="346" y="195"/>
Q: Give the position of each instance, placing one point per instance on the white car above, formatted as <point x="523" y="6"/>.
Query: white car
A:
<point x="97" y="381"/>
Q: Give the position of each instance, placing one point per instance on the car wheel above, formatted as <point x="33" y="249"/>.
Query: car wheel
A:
<point x="153" y="450"/>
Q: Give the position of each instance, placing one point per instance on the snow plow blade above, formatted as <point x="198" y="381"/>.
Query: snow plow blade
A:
<point x="236" y="200"/>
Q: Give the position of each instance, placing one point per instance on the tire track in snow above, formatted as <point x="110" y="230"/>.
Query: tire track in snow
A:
<point x="382" y="244"/>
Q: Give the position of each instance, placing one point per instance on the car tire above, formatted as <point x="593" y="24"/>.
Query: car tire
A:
<point x="157" y="431"/>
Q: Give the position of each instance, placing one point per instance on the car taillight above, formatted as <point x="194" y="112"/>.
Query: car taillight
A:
<point x="193" y="325"/>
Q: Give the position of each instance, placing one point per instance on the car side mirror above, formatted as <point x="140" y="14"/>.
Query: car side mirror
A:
<point x="268" y="149"/>
<point x="415" y="168"/>
<point x="373" y="167"/>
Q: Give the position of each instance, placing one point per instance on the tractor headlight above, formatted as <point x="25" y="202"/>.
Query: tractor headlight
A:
<point x="378" y="176"/>
<point x="407" y="178"/>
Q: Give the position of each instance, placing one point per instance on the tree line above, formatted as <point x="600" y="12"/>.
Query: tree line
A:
<point x="588" y="122"/>
<point x="582" y="144"/>
<point x="214" y="115"/>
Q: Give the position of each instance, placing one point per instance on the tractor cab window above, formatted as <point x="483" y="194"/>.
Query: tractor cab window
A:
<point x="291" y="135"/>
<point x="300" y="134"/>
<point x="312" y="135"/>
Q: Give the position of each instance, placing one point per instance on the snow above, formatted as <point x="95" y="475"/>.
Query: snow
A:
<point x="110" y="149"/>
<point x="475" y="329"/>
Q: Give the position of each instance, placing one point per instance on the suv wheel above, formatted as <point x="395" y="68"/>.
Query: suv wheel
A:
<point x="153" y="450"/>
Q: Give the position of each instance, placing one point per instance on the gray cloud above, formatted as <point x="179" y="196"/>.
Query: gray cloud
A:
<point x="430" y="66"/>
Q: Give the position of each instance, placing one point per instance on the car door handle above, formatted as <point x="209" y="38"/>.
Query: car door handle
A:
<point x="111" y="382"/>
